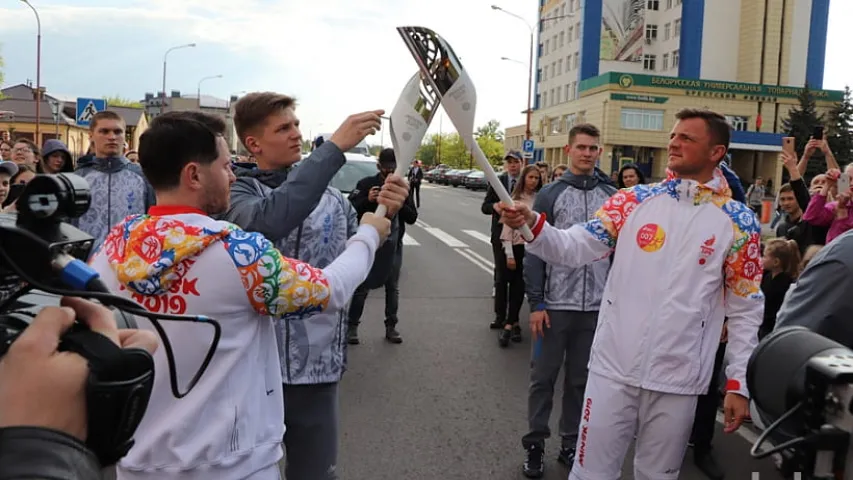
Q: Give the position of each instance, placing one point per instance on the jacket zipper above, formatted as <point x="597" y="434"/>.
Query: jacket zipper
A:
<point x="586" y="215"/>
<point x="109" y="200"/>
<point x="286" y="320"/>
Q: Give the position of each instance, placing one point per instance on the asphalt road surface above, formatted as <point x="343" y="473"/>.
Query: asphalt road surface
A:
<point x="449" y="403"/>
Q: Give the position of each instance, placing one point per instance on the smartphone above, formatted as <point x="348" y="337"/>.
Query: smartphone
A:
<point x="843" y="182"/>
<point x="788" y="146"/>
<point x="818" y="133"/>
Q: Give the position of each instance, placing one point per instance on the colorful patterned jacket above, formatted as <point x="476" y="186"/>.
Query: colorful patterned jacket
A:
<point x="687" y="257"/>
<point x="178" y="260"/>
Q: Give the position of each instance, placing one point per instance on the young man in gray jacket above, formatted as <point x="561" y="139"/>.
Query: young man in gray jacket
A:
<point x="306" y="219"/>
<point x="564" y="303"/>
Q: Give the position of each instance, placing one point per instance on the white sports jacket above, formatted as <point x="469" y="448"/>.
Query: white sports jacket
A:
<point x="687" y="256"/>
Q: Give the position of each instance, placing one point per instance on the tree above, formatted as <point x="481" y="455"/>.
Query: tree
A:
<point x="491" y="129"/>
<point x="802" y="119"/>
<point x="117" y="101"/>
<point x="840" y="129"/>
<point x="450" y="149"/>
<point x="375" y="149"/>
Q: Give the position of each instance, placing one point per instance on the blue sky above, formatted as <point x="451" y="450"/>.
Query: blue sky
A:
<point x="336" y="56"/>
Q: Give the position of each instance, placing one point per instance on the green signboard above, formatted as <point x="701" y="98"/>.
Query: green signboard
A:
<point x="636" y="97"/>
<point x="707" y="88"/>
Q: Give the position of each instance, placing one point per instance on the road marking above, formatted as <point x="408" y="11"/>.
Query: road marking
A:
<point x="467" y="254"/>
<point x="422" y="224"/>
<point x="482" y="259"/>
<point x="407" y="240"/>
<point x="745" y="432"/>
<point x="445" y="237"/>
<point x="479" y="236"/>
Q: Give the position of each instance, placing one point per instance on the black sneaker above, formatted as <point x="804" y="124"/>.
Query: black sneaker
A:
<point x="503" y="337"/>
<point x="707" y="464"/>
<point x="392" y="335"/>
<point x="516" y="333"/>
<point x="352" y="335"/>
<point x="496" y="324"/>
<point x="567" y="457"/>
<point x="533" y="466"/>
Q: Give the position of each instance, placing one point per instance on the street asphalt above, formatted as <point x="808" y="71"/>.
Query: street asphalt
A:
<point x="448" y="403"/>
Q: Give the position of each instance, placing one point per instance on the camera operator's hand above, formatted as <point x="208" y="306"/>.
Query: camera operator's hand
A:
<point x="42" y="387"/>
<point x="735" y="410"/>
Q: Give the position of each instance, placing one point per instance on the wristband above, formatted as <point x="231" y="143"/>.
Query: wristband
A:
<point x="538" y="225"/>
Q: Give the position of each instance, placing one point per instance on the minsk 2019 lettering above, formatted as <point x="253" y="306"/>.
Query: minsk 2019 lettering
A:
<point x="587" y="410"/>
<point x="172" y="302"/>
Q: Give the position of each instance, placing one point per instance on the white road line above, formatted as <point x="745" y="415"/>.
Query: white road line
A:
<point x="422" y="224"/>
<point x="479" y="236"/>
<point x="407" y="240"/>
<point x="467" y="254"/>
<point x="745" y="432"/>
<point x="482" y="259"/>
<point x="445" y="237"/>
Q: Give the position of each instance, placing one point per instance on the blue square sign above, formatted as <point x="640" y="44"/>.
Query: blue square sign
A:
<point x="87" y="108"/>
<point x="527" y="146"/>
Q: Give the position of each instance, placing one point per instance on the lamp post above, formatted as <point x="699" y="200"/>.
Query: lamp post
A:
<point x="165" y="57"/>
<point x="199" y="87"/>
<point x="527" y="133"/>
<point x="54" y="108"/>
<point x="38" y="71"/>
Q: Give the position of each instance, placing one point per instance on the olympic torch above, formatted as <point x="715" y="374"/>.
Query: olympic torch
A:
<point x="447" y="80"/>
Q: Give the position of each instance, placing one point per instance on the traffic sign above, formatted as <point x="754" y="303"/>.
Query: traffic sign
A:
<point x="527" y="155"/>
<point x="87" y="108"/>
<point x="527" y="146"/>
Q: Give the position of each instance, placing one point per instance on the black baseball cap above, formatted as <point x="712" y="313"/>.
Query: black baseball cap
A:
<point x="513" y="155"/>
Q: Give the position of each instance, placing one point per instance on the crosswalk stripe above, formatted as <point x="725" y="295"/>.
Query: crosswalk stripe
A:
<point x="469" y="255"/>
<point x="479" y="236"/>
<point x="445" y="237"/>
<point x="408" y="240"/>
<point x="482" y="259"/>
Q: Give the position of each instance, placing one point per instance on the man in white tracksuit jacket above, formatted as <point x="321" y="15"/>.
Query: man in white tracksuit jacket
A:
<point x="687" y="256"/>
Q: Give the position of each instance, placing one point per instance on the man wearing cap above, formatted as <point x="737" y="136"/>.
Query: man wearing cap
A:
<point x="512" y="169"/>
<point x="364" y="199"/>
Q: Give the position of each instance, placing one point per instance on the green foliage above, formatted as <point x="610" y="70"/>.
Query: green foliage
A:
<point x="839" y="125"/>
<point x="117" y="101"/>
<point x="375" y="149"/>
<point x="450" y="149"/>
<point x="802" y="119"/>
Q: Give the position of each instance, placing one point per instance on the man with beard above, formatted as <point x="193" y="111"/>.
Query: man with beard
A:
<point x="179" y="260"/>
<point x="687" y="257"/>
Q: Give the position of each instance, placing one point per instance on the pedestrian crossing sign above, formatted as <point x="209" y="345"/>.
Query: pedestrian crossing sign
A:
<point x="87" y="108"/>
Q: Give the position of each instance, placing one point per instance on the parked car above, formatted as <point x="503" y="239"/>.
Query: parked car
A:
<point x="476" y="180"/>
<point x="458" y="178"/>
<point x="356" y="167"/>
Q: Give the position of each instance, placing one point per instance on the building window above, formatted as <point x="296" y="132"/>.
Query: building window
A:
<point x="568" y="92"/>
<point x="575" y="60"/>
<point x="570" y="121"/>
<point x="677" y="2"/>
<point x="562" y="38"/>
<point x="544" y="99"/>
<point x="547" y="46"/>
<point x="560" y="66"/>
<point x="668" y="4"/>
<point x="575" y="89"/>
<point x="677" y="32"/>
<point x="649" y="62"/>
<point x="665" y="65"/>
<point x="578" y="30"/>
<point x="563" y="9"/>
<point x="675" y="58"/>
<point x="667" y="31"/>
<point x="539" y="76"/>
<point x="553" y="97"/>
<point x="571" y="33"/>
<point x="642" y="119"/>
<point x="554" y="71"/>
<point x="653" y="5"/>
<point x="555" y="125"/>
<point x="739" y="123"/>
<point x="651" y="32"/>
<point x="555" y="41"/>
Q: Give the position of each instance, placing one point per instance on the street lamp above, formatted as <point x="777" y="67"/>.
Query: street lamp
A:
<point x="38" y="71"/>
<point x="527" y="133"/>
<point x="54" y="109"/>
<point x="513" y="60"/>
<point x="199" y="87"/>
<point x="165" y="56"/>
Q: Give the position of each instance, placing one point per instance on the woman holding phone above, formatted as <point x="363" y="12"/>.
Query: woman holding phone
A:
<point x="836" y="215"/>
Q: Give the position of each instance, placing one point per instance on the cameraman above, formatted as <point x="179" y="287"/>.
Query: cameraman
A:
<point x="43" y="417"/>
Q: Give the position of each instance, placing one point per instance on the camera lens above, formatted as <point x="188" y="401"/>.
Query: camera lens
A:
<point x="55" y="197"/>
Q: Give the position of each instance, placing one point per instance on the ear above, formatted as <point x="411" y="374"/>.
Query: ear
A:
<point x="253" y="145"/>
<point x="191" y="176"/>
<point x="717" y="153"/>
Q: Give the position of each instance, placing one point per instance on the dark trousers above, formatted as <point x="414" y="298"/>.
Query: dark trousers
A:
<point x="565" y="345"/>
<point x="706" y="408"/>
<point x="415" y="193"/>
<point x="515" y="281"/>
<point x="311" y="431"/>
<point x="392" y="295"/>
<point x="501" y="282"/>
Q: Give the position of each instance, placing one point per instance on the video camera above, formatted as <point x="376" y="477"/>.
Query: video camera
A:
<point x="40" y="251"/>
<point x="802" y="386"/>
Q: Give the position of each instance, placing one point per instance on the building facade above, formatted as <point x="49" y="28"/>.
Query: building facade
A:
<point x="176" y="102"/>
<point x="629" y="65"/>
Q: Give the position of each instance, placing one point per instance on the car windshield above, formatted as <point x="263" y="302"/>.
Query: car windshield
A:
<point x="476" y="174"/>
<point x="351" y="173"/>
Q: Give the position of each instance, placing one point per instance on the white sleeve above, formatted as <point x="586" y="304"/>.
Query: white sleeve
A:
<point x="574" y="247"/>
